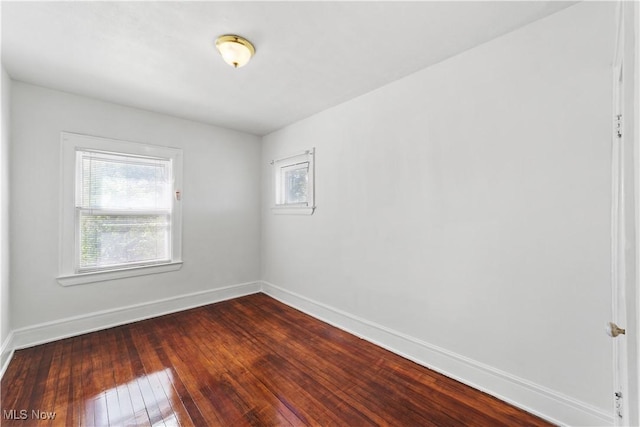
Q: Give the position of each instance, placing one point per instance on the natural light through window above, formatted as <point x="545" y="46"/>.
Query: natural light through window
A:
<point x="294" y="186"/>
<point x="121" y="209"/>
<point x="123" y="206"/>
<point x="294" y="181"/>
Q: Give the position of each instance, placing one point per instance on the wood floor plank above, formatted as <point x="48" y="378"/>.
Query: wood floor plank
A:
<point x="89" y="388"/>
<point x="125" y="376"/>
<point x="355" y="389"/>
<point x="252" y="396"/>
<point x="199" y="374"/>
<point x="147" y="397"/>
<point x="120" y="408"/>
<point x="104" y="398"/>
<point x="75" y="408"/>
<point x="61" y="403"/>
<point x="183" y="394"/>
<point x="297" y="373"/>
<point x="252" y="361"/>
<point x="119" y="380"/>
<point x="443" y="411"/>
<point x="15" y="374"/>
<point x="18" y="397"/>
<point x="42" y="391"/>
<point x="242" y="349"/>
<point x="160" y="376"/>
<point x="368" y="389"/>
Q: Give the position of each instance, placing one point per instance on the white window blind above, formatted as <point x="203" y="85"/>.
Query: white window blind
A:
<point x="123" y="210"/>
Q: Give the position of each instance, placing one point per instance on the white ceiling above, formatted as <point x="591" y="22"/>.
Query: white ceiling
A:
<point x="160" y="56"/>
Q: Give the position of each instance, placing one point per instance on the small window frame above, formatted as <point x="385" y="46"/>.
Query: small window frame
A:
<point x="289" y="163"/>
<point x="71" y="143"/>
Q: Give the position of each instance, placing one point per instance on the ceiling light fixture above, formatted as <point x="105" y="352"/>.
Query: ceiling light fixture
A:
<point x="235" y="50"/>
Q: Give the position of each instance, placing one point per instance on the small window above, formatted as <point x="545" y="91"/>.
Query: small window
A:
<point x="120" y="209"/>
<point x="294" y="186"/>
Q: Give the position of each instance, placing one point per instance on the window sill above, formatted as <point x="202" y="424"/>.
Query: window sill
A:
<point x="293" y="210"/>
<point x="100" y="276"/>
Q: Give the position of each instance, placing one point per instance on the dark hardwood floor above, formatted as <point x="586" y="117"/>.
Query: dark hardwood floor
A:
<point x="248" y="361"/>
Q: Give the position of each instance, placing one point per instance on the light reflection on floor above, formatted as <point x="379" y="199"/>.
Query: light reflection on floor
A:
<point x="144" y="400"/>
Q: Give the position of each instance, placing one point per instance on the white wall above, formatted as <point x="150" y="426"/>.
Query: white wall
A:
<point x="5" y="91"/>
<point x="632" y="141"/>
<point x="221" y="195"/>
<point x="467" y="207"/>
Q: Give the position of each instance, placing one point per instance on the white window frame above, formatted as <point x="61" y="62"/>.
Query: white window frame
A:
<point x="290" y="162"/>
<point x="70" y="144"/>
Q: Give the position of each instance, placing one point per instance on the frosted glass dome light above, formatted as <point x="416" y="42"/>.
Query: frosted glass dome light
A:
<point x="235" y="50"/>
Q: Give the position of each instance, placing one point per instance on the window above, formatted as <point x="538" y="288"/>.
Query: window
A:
<point x="294" y="183"/>
<point x="120" y="209"/>
<point x="123" y="210"/>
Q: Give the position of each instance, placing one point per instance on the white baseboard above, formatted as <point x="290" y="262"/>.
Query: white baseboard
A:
<point x="6" y="353"/>
<point x="534" y="398"/>
<point x="77" y="325"/>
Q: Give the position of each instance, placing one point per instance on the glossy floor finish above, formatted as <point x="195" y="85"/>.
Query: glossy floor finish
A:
<point x="248" y="361"/>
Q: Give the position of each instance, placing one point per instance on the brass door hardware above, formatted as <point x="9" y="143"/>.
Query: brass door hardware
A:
<point x="615" y="330"/>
